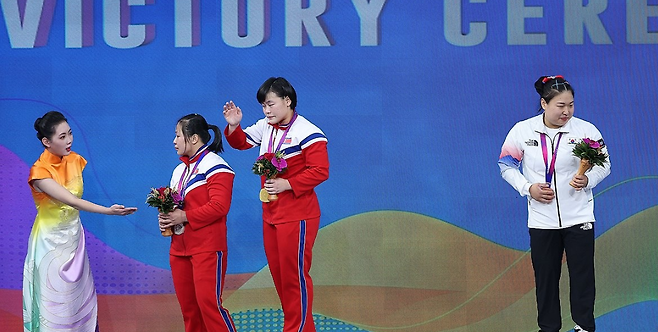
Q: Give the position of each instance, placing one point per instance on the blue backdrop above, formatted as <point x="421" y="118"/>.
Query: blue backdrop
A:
<point x="415" y="98"/>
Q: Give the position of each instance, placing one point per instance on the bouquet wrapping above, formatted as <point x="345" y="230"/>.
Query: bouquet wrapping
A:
<point x="590" y="153"/>
<point x="165" y="199"/>
<point x="269" y="165"/>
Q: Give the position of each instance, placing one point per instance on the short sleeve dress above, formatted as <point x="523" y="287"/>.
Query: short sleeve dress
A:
<point x="58" y="287"/>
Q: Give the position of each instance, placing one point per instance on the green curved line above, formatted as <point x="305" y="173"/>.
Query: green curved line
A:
<point x="648" y="177"/>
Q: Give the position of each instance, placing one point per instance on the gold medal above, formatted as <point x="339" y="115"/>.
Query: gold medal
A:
<point x="263" y="196"/>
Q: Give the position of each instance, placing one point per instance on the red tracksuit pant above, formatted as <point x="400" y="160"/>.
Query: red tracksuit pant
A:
<point x="199" y="282"/>
<point x="289" y="251"/>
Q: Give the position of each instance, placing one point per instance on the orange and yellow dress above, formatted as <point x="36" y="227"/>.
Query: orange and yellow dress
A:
<point x="58" y="287"/>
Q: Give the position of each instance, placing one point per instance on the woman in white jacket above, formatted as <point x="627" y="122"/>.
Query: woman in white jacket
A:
<point x="537" y="160"/>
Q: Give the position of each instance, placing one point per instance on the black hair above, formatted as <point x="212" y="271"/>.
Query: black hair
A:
<point x="45" y="125"/>
<point x="550" y="86"/>
<point x="195" y="124"/>
<point x="281" y="87"/>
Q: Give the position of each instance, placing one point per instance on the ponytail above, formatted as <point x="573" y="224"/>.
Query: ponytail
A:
<point x="216" y="145"/>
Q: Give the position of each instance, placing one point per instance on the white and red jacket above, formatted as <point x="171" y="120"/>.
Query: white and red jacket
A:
<point x="522" y="149"/>
<point x="207" y="181"/>
<point x="305" y="149"/>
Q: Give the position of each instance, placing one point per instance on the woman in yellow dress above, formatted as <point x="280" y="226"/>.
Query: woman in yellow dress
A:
<point x="58" y="287"/>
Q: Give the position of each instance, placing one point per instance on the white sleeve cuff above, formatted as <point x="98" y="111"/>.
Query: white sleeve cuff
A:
<point x="525" y="191"/>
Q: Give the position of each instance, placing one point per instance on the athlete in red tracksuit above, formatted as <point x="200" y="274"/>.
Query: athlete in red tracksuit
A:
<point x="290" y="223"/>
<point x="198" y="247"/>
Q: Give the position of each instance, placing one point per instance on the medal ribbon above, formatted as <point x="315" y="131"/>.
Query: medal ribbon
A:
<point x="544" y="149"/>
<point x="283" y="138"/>
<point x="184" y="180"/>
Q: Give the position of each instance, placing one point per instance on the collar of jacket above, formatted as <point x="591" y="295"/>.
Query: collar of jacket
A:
<point x="189" y="160"/>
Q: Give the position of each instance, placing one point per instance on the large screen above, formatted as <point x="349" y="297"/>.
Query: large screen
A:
<point x="419" y="232"/>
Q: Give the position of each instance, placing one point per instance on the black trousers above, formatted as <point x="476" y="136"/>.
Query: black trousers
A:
<point x="547" y="247"/>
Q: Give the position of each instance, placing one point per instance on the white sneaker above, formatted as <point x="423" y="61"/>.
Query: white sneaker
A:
<point x="577" y="328"/>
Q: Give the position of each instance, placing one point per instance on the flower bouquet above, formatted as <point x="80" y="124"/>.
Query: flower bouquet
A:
<point x="590" y="153"/>
<point x="166" y="199"/>
<point x="269" y="165"/>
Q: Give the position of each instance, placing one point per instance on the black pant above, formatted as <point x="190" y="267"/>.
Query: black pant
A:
<point x="547" y="246"/>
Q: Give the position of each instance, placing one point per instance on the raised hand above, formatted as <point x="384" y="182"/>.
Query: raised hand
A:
<point x="232" y="114"/>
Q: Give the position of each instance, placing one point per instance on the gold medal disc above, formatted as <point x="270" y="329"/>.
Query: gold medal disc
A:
<point x="263" y="196"/>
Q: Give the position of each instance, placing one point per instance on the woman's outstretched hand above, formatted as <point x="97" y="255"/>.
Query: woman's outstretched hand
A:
<point x="120" y="210"/>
